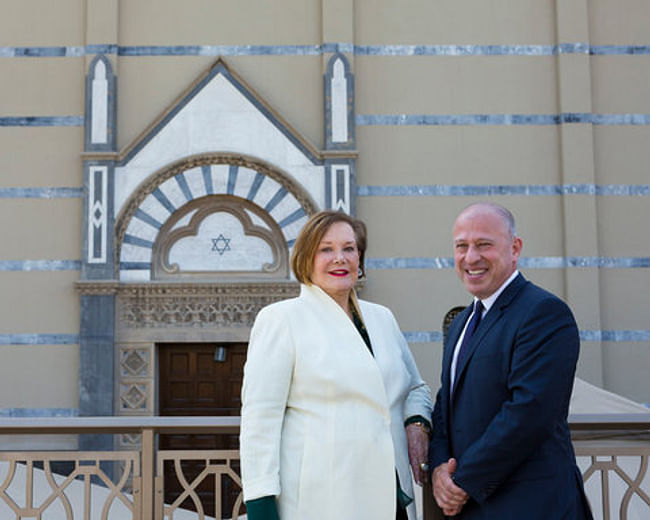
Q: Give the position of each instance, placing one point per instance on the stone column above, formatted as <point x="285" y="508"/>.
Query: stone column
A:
<point x="338" y="88"/>
<point x="97" y="329"/>
<point x="577" y="168"/>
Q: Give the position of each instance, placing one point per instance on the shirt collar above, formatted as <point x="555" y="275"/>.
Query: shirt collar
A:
<point x="489" y="301"/>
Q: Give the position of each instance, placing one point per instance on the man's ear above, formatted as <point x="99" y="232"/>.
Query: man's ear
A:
<point x="517" y="244"/>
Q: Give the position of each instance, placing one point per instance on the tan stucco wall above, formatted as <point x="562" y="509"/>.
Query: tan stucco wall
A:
<point x="40" y="228"/>
<point x="39" y="303"/>
<point x="551" y="225"/>
<point x="35" y="376"/>
<point x="40" y="157"/>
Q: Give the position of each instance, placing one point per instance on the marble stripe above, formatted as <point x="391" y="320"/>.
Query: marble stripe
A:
<point x="42" y="121"/>
<point x="499" y="50"/>
<point x="612" y="336"/>
<point x="232" y="178"/>
<point x="182" y="184"/>
<point x="410" y="263"/>
<point x="464" y="50"/>
<point x="615" y="336"/>
<point x="500" y="119"/>
<point x="162" y="198"/>
<point x="542" y="262"/>
<point x="329" y="47"/>
<point x="101" y="48"/>
<point x="135" y="266"/>
<point x="40" y="265"/>
<point x="290" y="219"/>
<point x="275" y="200"/>
<point x="207" y="179"/>
<point x="614" y="50"/>
<point x="411" y="120"/>
<point x="615" y="119"/>
<point x="423" y="336"/>
<point x="538" y="262"/>
<point x="41" y="52"/>
<point x="220" y="50"/>
<point x="558" y="262"/>
<point x="435" y="190"/>
<point x="259" y="178"/>
<point x="145" y="217"/>
<point x="39" y="412"/>
<point x="137" y="241"/>
<point x="40" y="193"/>
<point x="39" y="339"/>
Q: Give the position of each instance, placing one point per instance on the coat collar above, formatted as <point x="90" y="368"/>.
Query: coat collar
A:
<point x="317" y="295"/>
<point x="337" y="319"/>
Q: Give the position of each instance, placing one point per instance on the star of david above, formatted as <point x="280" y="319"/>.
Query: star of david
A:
<point x="221" y="244"/>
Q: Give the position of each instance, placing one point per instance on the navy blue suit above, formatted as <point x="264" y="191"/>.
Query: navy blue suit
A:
<point x="506" y="424"/>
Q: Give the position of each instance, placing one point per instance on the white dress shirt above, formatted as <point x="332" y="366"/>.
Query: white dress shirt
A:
<point x="487" y="304"/>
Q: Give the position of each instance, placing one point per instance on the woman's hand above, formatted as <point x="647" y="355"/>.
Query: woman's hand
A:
<point x="418" y="448"/>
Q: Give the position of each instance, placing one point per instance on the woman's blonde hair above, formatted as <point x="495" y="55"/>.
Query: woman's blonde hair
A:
<point x="304" y="250"/>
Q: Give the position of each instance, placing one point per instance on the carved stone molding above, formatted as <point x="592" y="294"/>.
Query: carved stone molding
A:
<point x="159" y="305"/>
<point x="97" y="287"/>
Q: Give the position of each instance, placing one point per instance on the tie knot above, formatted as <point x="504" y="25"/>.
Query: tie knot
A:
<point x="478" y="306"/>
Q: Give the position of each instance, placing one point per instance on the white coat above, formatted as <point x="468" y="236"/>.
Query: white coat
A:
<point x="322" y="419"/>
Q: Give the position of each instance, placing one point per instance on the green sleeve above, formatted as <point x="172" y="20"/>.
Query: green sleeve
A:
<point x="263" y="508"/>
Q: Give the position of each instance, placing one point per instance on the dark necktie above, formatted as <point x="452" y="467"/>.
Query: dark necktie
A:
<point x="469" y="332"/>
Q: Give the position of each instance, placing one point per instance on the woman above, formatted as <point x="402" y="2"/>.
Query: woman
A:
<point x="329" y="384"/>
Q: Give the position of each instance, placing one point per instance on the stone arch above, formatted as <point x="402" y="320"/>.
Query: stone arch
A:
<point x="180" y="248"/>
<point x="255" y="184"/>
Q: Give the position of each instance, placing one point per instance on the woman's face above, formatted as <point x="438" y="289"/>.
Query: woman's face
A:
<point x="336" y="262"/>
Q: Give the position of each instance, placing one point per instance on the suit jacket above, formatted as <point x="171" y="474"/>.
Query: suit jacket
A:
<point x="322" y="419"/>
<point x="506" y="423"/>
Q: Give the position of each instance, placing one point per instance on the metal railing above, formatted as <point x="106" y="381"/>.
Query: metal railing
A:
<point x="612" y="451"/>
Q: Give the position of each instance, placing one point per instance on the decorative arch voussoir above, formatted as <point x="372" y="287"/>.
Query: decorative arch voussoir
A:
<point x="181" y="183"/>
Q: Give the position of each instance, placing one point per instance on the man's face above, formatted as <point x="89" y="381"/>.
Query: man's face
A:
<point x="485" y="252"/>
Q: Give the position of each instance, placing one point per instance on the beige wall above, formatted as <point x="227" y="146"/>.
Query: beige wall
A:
<point x="552" y="226"/>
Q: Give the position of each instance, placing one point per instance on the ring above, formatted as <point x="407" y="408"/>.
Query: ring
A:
<point x="424" y="466"/>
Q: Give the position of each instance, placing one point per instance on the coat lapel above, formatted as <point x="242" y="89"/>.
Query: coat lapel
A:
<point x="333" y="314"/>
<point x="494" y="314"/>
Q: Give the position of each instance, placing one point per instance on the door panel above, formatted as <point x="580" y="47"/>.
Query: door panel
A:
<point x="192" y="383"/>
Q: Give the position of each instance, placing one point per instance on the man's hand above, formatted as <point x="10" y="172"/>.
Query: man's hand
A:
<point x="418" y="446"/>
<point x="448" y="495"/>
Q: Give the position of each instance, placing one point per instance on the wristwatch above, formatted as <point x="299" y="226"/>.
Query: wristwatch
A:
<point x="423" y="426"/>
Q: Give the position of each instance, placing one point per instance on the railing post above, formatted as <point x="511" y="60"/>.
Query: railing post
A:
<point x="148" y="461"/>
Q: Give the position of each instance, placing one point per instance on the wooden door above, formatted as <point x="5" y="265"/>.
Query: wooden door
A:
<point x="192" y="382"/>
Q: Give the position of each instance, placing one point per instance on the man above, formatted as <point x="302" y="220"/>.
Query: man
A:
<point x="501" y="447"/>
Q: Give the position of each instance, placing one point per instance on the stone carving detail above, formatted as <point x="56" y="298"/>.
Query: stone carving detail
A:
<point x="134" y="396"/>
<point x="135" y="379"/>
<point x="184" y="305"/>
<point x="134" y="362"/>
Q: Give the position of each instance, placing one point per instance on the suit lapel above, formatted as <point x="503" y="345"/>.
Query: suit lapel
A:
<point x="493" y="315"/>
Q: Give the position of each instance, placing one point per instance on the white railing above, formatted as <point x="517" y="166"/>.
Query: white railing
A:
<point x="612" y="452"/>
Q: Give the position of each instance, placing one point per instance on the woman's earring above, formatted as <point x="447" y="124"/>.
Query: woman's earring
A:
<point x="360" y="273"/>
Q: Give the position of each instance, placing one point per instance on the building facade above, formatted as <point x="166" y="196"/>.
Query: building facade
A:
<point x="157" y="160"/>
